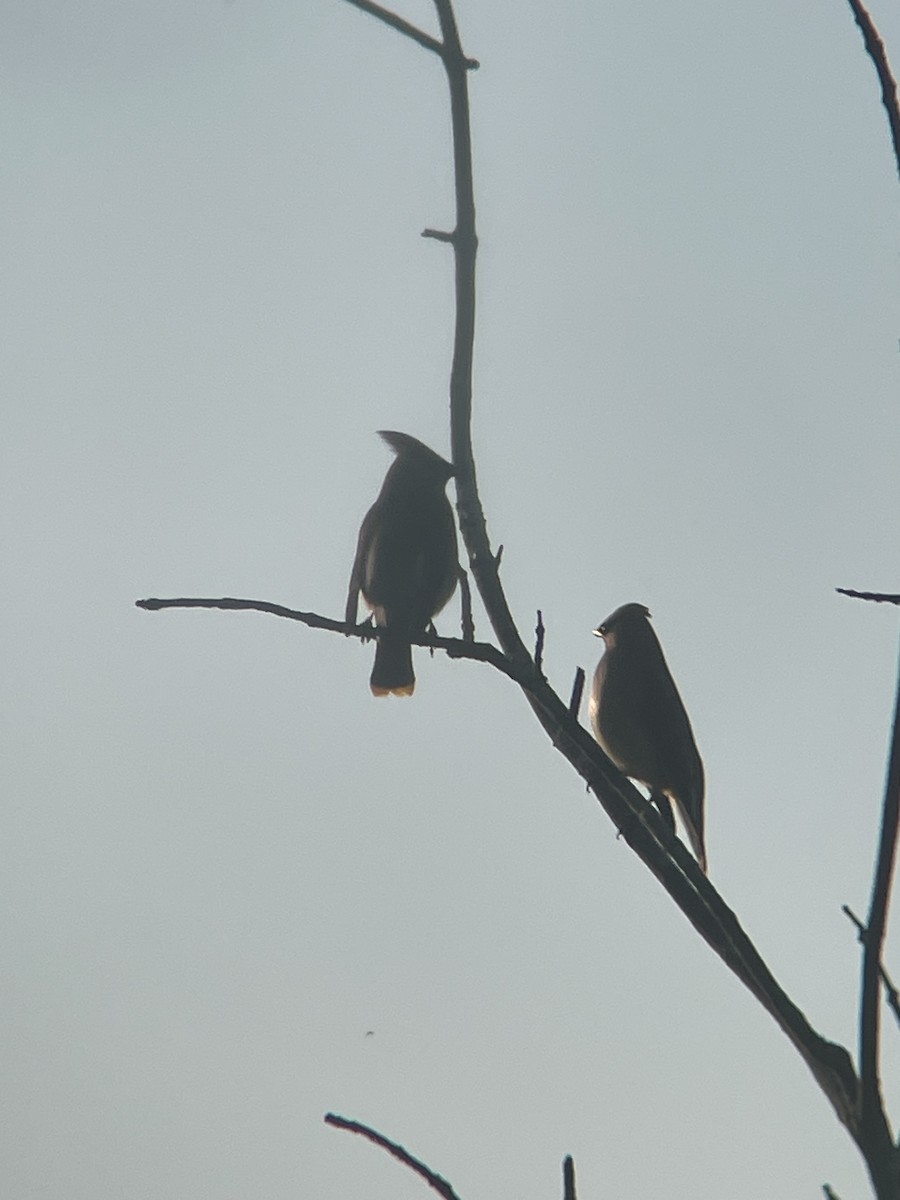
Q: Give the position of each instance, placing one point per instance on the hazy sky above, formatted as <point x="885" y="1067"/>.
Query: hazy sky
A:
<point x="223" y="861"/>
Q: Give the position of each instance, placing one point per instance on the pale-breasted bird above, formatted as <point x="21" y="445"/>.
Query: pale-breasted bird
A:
<point x="406" y="564"/>
<point x="640" y="722"/>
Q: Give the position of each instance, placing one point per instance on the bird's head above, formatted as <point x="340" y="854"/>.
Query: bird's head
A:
<point x="629" y="616"/>
<point x="417" y="455"/>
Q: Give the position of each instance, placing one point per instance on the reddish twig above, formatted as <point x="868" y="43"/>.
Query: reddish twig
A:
<point x="876" y="51"/>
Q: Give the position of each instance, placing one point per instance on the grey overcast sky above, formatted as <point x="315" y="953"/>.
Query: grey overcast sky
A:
<point x="223" y="861"/>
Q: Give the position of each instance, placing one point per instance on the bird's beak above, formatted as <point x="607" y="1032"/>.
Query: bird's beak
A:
<point x="597" y="633"/>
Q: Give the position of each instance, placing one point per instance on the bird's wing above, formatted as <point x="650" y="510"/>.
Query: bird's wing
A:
<point x="359" y="571"/>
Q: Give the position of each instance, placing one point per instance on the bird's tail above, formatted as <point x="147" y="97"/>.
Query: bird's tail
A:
<point x="695" y="836"/>
<point x="663" y="802"/>
<point x="393" y="673"/>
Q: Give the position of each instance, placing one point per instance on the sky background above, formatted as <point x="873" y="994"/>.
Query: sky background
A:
<point x="222" y="861"/>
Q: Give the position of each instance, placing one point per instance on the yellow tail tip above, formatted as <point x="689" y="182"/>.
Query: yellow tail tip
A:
<point x="405" y="689"/>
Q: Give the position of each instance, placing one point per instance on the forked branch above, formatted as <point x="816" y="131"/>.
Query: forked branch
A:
<point x="665" y="857"/>
<point x="857" y="1102"/>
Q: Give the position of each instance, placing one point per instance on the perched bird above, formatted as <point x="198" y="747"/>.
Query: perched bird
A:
<point x="406" y="563"/>
<point x="639" y="720"/>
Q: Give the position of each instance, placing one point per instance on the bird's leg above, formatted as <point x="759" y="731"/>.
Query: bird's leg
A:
<point x="366" y="626"/>
<point x="664" y="804"/>
<point x="431" y="630"/>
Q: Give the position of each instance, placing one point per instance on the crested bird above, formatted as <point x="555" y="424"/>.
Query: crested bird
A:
<point x="406" y="564"/>
<point x="640" y="722"/>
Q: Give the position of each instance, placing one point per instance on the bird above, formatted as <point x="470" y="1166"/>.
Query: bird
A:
<point x="640" y="721"/>
<point x="406" y="565"/>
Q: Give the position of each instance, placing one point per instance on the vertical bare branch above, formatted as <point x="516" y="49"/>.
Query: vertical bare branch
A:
<point x="872" y="1107"/>
<point x="569" y="1178"/>
<point x="465" y="248"/>
<point x="577" y="690"/>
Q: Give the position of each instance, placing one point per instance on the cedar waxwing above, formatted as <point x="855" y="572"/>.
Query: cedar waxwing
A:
<point x="639" y="720"/>
<point x="406" y="563"/>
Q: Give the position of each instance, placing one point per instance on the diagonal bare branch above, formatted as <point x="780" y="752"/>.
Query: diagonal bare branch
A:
<point x="890" y="991"/>
<point x="405" y="27"/>
<point x="441" y="1186"/>
<point x="876" y="51"/>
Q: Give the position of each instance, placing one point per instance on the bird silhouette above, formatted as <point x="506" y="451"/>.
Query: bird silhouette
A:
<point x="640" y="721"/>
<point x="406" y="564"/>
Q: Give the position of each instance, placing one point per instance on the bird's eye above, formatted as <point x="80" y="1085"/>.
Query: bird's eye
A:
<point x="603" y="630"/>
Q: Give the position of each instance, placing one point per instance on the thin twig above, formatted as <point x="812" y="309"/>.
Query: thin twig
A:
<point x="569" y="1178"/>
<point x="467" y="620"/>
<point x="829" y="1193"/>
<point x="577" y="690"/>
<point x="453" y="647"/>
<point x="891" y="994"/>
<point x="872" y="1107"/>
<point x="439" y="235"/>
<point x="539" y="632"/>
<point x="876" y="51"/>
<point x="441" y="1186"/>
<point x="408" y="29"/>
<point x="878" y="597"/>
<point x="398" y="23"/>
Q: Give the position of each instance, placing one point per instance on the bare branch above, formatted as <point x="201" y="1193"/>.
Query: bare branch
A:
<point x="891" y="994"/>
<point x="872" y="1107"/>
<point x="441" y="1186"/>
<point x="439" y="235"/>
<point x="472" y="522"/>
<point x="453" y="647"/>
<point x="465" y="592"/>
<point x="569" y="1178"/>
<point x="408" y="30"/>
<point x="398" y="23"/>
<point x="876" y="51"/>
<point x="829" y="1194"/>
<point x="638" y="823"/>
<point x="539" y="632"/>
<point x="577" y="690"/>
<point x="878" y="597"/>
